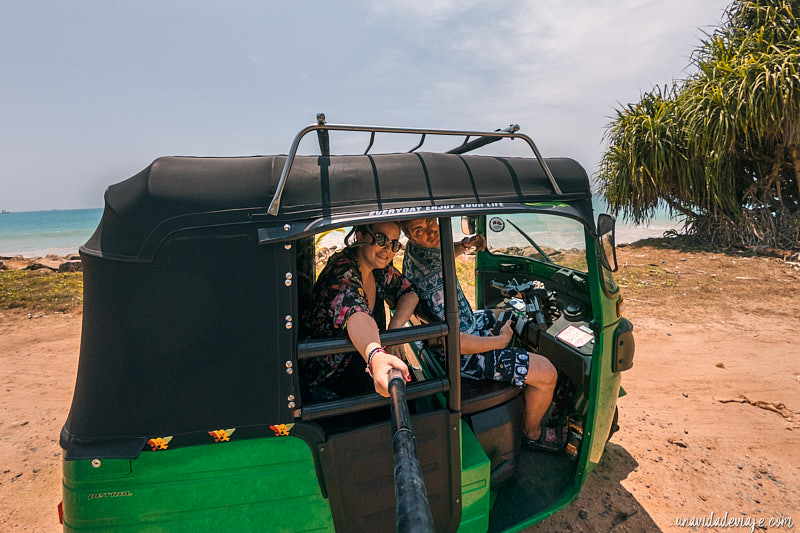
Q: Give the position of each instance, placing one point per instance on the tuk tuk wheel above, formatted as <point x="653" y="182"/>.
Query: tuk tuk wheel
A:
<point x="614" y="426"/>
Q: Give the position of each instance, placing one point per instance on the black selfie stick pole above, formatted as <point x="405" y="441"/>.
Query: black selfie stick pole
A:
<point x="413" y="514"/>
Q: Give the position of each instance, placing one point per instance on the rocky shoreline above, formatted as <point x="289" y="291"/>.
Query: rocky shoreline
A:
<point x="43" y="265"/>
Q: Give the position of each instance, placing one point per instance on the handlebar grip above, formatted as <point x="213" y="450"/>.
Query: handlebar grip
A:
<point x="501" y="320"/>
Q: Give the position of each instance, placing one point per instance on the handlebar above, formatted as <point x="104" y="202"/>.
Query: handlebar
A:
<point x="526" y="299"/>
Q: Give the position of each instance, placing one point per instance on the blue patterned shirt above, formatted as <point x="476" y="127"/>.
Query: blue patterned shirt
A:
<point x="423" y="268"/>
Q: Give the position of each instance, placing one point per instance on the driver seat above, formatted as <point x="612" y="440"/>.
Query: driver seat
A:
<point x="494" y="412"/>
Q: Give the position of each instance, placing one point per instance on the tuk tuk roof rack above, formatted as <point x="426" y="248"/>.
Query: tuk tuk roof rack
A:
<point x="322" y="128"/>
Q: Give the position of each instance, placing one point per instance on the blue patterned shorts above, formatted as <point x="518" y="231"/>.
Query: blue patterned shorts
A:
<point x="507" y="365"/>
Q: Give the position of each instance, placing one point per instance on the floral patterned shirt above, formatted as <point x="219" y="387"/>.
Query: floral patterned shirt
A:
<point x="338" y="294"/>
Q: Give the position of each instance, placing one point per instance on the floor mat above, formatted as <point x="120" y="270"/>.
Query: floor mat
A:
<point x="539" y="480"/>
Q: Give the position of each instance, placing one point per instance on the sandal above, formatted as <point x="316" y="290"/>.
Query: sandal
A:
<point x="551" y="440"/>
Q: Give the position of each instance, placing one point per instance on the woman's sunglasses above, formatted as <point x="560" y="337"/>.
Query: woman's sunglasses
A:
<point x="381" y="240"/>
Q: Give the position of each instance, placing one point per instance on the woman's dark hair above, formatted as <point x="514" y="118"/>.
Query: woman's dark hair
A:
<point x="363" y="228"/>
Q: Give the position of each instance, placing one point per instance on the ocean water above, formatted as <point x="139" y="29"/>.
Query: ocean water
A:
<point x="553" y="231"/>
<point x="38" y="233"/>
<point x="62" y="232"/>
<point x="627" y="232"/>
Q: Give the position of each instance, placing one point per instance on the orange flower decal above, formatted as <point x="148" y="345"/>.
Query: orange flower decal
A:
<point x="222" y="435"/>
<point x="159" y="443"/>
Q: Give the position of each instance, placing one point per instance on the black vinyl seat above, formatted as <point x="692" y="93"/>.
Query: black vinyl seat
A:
<point x="477" y="396"/>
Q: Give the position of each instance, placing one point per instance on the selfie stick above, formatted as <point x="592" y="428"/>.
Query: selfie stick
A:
<point x="413" y="514"/>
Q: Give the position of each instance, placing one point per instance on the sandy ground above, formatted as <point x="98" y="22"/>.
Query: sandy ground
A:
<point x="711" y="422"/>
<point x="38" y="363"/>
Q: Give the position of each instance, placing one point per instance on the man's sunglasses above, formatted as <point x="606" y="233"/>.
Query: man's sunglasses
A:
<point x="381" y="240"/>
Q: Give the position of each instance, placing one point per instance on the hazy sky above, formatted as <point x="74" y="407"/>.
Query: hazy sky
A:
<point x="93" y="91"/>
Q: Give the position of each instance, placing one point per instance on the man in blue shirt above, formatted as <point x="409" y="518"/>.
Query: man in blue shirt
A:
<point x="483" y="355"/>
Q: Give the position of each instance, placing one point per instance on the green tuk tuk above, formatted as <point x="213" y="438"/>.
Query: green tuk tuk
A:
<point x="188" y="412"/>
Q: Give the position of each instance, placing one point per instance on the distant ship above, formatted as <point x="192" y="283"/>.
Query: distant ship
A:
<point x="4" y="212"/>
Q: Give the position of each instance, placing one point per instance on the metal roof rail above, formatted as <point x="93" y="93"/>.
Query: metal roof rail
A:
<point x="322" y="128"/>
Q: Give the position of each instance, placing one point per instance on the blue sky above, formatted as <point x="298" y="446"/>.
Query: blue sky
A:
<point x="93" y="91"/>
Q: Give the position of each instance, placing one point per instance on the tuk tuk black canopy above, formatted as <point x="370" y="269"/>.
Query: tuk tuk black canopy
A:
<point x="179" y="193"/>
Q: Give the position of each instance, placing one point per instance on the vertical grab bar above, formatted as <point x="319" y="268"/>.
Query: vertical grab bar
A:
<point x="322" y="136"/>
<point x="453" y="338"/>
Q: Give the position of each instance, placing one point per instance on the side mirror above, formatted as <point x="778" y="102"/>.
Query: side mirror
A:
<point x="607" y="237"/>
<point x="468" y="225"/>
<point x="605" y="224"/>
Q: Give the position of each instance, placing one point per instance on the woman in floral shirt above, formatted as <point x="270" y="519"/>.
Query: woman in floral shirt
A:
<point x="348" y="299"/>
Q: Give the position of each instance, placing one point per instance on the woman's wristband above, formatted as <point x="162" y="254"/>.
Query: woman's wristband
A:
<point x="371" y="354"/>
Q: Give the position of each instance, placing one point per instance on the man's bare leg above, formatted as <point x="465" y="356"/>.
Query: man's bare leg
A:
<point x="540" y="384"/>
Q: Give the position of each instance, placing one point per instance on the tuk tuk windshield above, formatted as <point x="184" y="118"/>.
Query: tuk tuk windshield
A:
<point x="546" y="238"/>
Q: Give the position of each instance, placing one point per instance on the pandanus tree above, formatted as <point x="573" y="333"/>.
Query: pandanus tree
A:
<point x="721" y="147"/>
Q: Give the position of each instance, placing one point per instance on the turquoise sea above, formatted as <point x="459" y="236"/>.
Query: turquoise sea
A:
<point x="38" y="233"/>
<point x="62" y="232"/>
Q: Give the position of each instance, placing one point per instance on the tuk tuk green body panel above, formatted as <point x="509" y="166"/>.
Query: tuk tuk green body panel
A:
<point x="604" y="382"/>
<point x="475" y="473"/>
<point x="250" y="485"/>
<point x="267" y="484"/>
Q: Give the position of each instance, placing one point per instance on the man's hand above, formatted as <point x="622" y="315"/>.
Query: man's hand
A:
<point x="382" y="364"/>
<point x="399" y="351"/>
<point x="476" y="242"/>
<point x="506" y="333"/>
<point x="475" y="344"/>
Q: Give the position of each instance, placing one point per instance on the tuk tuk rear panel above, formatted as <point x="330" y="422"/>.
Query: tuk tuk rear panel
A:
<point x="249" y="485"/>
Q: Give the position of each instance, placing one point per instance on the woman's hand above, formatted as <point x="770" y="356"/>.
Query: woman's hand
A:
<point x="363" y="332"/>
<point x="382" y="363"/>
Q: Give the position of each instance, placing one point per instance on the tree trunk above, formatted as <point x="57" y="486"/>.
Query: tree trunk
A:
<point x="774" y="179"/>
<point x="794" y="153"/>
<point x="680" y="208"/>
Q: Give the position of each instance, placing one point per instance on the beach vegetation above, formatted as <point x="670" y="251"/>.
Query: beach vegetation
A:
<point x="36" y="291"/>
<point x="721" y="147"/>
<point x="465" y="273"/>
<point x="650" y="276"/>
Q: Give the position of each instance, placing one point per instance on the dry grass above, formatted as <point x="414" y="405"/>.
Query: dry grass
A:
<point x="645" y="276"/>
<point x="465" y="272"/>
<point x="37" y="291"/>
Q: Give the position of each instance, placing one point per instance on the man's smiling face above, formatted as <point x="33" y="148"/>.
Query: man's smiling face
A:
<point x="423" y="232"/>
